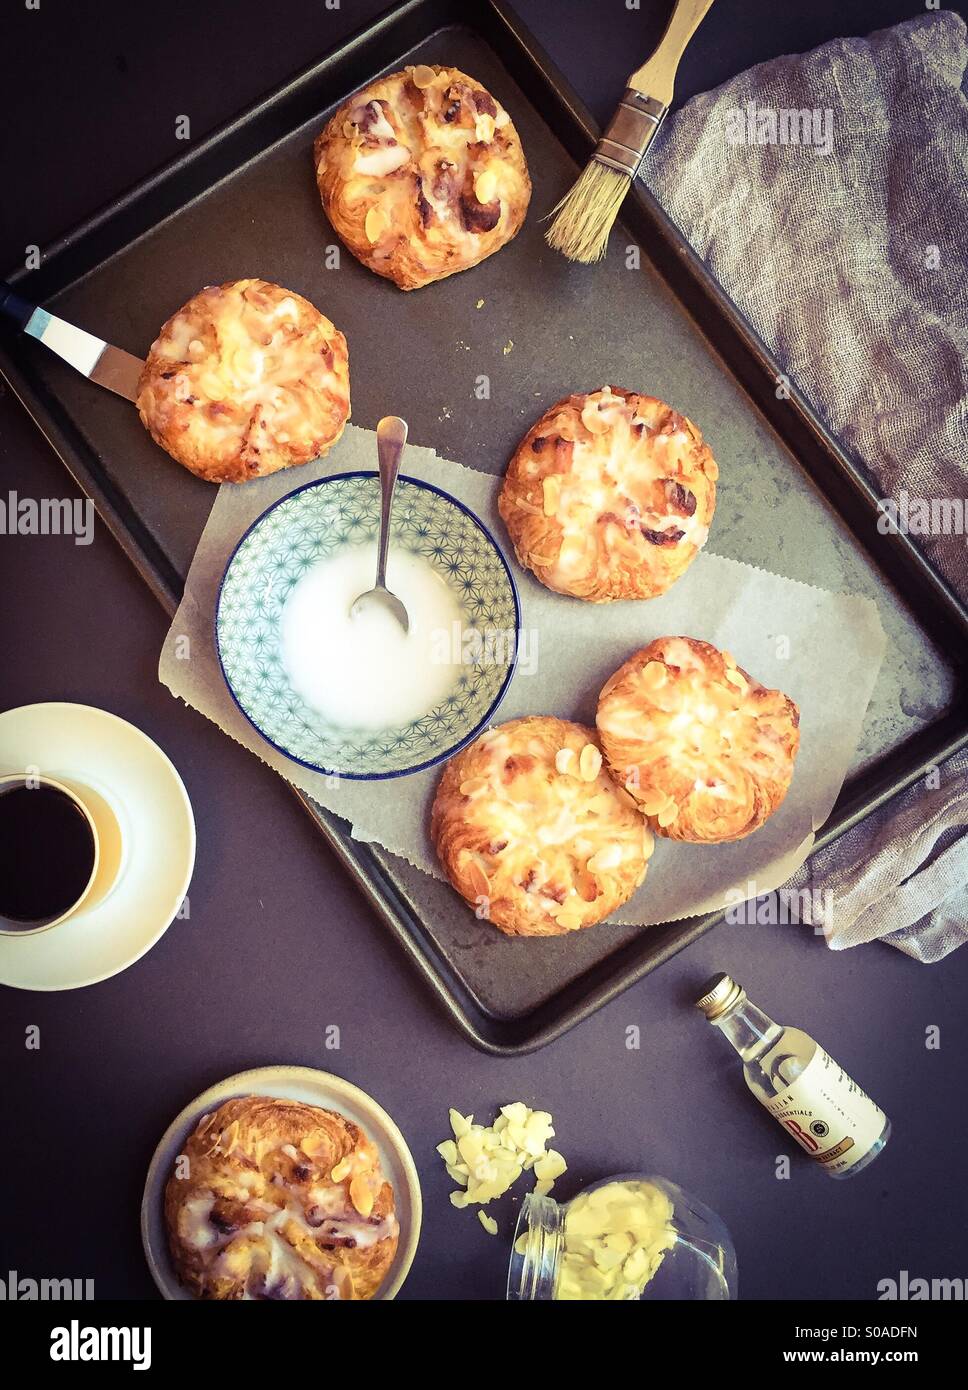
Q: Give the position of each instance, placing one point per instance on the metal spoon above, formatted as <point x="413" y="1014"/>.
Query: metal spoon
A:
<point x="391" y="437"/>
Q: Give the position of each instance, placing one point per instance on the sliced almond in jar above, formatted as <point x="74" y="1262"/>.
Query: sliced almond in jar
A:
<point x="422" y="76"/>
<point x="485" y="186"/>
<point x="590" y="763"/>
<point x="377" y="223"/>
<point x="551" y="494"/>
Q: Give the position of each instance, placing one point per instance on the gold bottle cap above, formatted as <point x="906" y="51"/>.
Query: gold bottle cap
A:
<point x="719" y="996"/>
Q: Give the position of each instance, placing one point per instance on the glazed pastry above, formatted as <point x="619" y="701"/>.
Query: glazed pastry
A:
<point x="705" y="750"/>
<point x="422" y="174"/>
<point x="532" y="831"/>
<point x="245" y="379"/>
<point x="609" y="496"/>
<point x="279" y="1200"/>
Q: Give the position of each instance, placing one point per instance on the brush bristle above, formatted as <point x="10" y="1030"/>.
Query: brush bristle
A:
<point x="584" y="217"/>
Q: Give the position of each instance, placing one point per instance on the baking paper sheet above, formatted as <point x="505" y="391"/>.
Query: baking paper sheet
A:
<point x="823" y="649"/>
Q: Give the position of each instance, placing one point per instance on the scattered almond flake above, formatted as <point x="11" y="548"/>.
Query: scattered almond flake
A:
<point x="508" y="346"/>
<point x="486" y="1161"/>
<point x="488" y="1222"/>
<point x="445" y="413"/>
<point x="479" y="304"/>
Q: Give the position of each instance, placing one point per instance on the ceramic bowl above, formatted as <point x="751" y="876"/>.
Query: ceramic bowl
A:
<point x="310" y="524"/>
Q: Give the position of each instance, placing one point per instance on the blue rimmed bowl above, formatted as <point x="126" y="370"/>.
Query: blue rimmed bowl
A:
<point x="306" y="526"/>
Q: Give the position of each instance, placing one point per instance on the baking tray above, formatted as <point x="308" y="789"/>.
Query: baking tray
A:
<point x="244" y="202"/>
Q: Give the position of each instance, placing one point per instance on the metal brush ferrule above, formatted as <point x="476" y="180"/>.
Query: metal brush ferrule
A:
<point x="630" y="132"/>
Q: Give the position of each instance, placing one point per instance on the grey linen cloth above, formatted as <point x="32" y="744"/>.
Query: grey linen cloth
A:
<point x="850" y="259"/>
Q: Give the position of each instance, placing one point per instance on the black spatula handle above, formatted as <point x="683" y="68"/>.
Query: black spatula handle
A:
<point x="13" y="307"/>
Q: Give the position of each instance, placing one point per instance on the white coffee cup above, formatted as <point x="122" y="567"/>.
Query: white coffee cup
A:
<point x="107" y="840"/>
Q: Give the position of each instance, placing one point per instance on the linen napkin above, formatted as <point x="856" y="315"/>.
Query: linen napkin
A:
<point x="827" y="193"/>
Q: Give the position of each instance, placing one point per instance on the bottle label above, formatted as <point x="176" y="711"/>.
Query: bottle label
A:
<point x="828" y="1114"/>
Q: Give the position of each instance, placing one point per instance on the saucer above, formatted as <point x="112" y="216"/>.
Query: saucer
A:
<point x="314" y="1088"/>
<point x="91" y="748"/>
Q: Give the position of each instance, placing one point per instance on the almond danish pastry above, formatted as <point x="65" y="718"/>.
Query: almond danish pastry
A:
<point x="247" y="378"/>
<point x="706" y="751"/>
<point x="422" y="174"/>
<point x="282" y="1200"/>
<point x="532" y="831"/>
<point x="609" y="496"/>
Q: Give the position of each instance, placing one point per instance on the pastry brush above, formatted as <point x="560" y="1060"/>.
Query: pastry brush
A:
<point x="584" y="217"/>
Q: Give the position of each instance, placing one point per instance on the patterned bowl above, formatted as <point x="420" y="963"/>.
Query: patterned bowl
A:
<point x="311" y="523"/>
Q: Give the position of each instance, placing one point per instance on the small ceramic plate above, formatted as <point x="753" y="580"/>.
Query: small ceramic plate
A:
<point x="313" y="522"/>
<point x="287" y="1083"/>
<point x="91" y="748"/>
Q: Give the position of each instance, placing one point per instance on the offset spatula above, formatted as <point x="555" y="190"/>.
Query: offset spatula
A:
<point x="92" y="357"/>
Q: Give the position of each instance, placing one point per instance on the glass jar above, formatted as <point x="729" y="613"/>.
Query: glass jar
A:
<point x="646" y="1239"/>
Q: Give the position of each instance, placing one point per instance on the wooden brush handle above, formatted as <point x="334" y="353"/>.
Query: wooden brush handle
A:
<point x="656" y="77"/>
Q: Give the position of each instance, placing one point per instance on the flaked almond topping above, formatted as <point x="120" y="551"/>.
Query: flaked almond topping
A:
<point x="477" y="880"/>
<point x="551" y="490"/>
<point x="609" y="857"/>
<point x="471" y="786"/>
<point x="213" y="388"/>
<point x="648" y="843"/>
<point x="593" y="420"/>
<point x="735" y="678"/>
<point x="566" y="762"/>
<point x="485" y="186"/>
<point x="376" y="225"/>
<point x="361" y="1194"/>
<point x="668" y="814"/>
<point x="342" y="1170"/>
<point x="729" y="659"/>
<point x="653" y="675"/>
<point x="654" y="802"/>
<point x="422" y="76"/>
<point x="196" y="348"/>
<point x="568" y="921"/>
<point x="590" y="763"/>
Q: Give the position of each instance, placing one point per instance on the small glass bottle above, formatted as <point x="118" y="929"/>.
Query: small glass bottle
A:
<point x="802" y="1087"/>
<point x="586" y="1249"/>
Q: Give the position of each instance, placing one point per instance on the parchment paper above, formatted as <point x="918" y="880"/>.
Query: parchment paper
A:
<point x="823" y="649"/>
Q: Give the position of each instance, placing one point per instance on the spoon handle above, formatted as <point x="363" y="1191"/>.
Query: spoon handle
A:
<point x="391" y="437"/>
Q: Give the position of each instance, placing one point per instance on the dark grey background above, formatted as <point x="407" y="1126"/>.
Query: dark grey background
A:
<point x="279" y="945"/>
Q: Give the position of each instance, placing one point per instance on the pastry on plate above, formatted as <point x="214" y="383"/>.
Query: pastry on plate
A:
<point x="706" y="751"/>
<point x="609" y="496"/>
<point x="532" y="831"/>
<point x="278" y="1199"/>
<point x="422" y="174"/>
<point x="245" y="379"/>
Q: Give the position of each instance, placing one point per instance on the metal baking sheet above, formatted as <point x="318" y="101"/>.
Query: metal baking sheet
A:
<point x="245" y="203"/>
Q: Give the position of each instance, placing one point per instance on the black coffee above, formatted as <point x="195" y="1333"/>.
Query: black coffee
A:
<point x="46" y="853"/>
